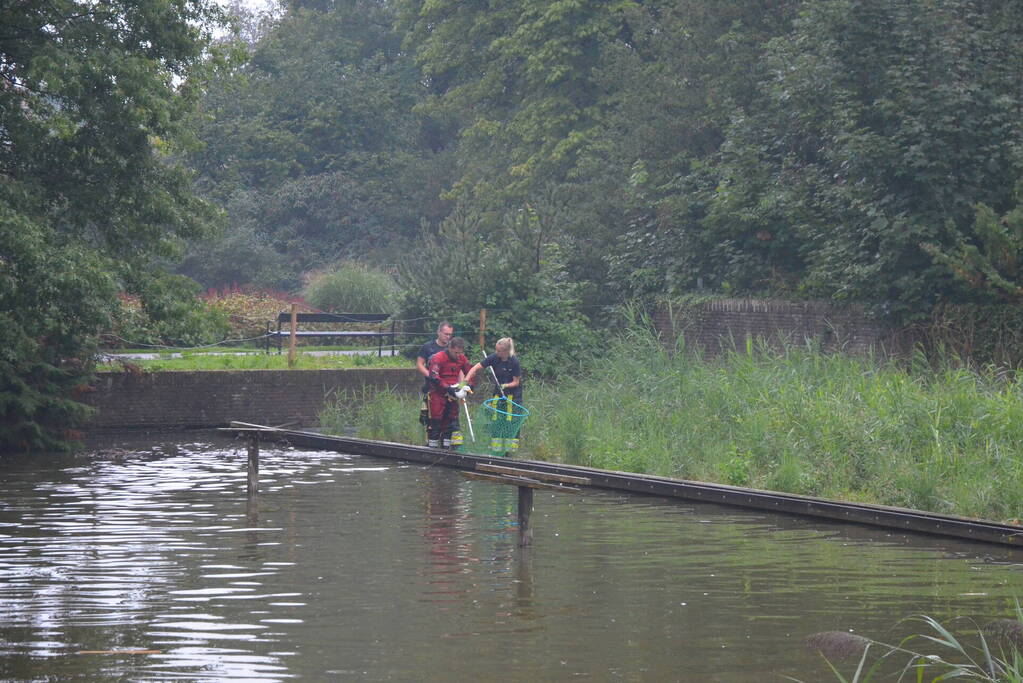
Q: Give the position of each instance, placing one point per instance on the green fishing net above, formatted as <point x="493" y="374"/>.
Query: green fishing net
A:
<point x="496" y="427"/>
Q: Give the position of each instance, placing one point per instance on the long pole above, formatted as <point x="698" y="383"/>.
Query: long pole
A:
<point x="468" y="421"/>
<point x="496" y="383"/>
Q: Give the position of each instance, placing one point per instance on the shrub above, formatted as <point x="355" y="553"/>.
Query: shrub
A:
<point x="526" y="293"/>
<point x="53" y="297"/>
<point x="352" y="288"/>
<point x="249" y="311"/>
<point x="168" y="312"/>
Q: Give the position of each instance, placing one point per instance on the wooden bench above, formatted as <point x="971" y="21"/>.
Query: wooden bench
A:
<point x="285" y="331"/>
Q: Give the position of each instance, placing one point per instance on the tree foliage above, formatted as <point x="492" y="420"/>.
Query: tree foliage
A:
<point x="853" y="150"/>
<point x="880" y="123"/>
<point x="991" y="263"/>
<point x="89" y="116"/>
<point x="312" y="145"/>
<point x="517" y="77"/>
<point x="515" y="274"/>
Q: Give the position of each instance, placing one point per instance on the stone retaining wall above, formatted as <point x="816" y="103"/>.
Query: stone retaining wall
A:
<point x="167" y="400"/>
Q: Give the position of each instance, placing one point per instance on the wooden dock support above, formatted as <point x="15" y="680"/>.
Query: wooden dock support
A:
<point x="526" y="481"/>
<point x="899" y="520"/>
<point x="253" y="469"/>
<point x="525" y="512"/>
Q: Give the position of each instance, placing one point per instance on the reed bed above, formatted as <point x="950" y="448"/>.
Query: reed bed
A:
<point x="990" y="653"/>
<point x="944" y="438"/>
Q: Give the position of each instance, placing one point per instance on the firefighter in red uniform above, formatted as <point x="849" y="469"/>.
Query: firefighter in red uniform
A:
<point x="448" y="369"/>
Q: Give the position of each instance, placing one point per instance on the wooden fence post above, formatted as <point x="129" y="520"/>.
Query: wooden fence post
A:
<point x="294" y="337"/>
<point x="483" y="331"/>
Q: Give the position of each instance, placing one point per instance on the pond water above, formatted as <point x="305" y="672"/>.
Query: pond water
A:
<point x="360" y="568"/>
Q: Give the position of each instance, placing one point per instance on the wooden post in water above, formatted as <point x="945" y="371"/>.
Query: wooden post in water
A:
<point x="253" y="469"/>
<point x="525" y="511"/>
<point x="526" y="481"/>
<point x="292" y="340"/>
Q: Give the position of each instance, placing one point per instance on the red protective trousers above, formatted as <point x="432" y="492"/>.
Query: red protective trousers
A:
<point x="443" y="415"/>
<point x="445" y="370"/>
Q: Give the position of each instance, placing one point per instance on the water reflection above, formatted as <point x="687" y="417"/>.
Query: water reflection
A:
<point x="347" y="566"/>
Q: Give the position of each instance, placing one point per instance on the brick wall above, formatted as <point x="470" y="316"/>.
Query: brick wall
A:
<point x="163" y="400"/>
<point x="714" y="325"/>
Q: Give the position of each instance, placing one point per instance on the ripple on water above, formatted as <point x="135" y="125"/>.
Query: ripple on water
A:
<point x="384" y="570"/>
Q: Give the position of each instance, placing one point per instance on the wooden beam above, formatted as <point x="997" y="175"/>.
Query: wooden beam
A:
<point x="882" y="516"/>
<point x="531" y="474"/>
<point x="519" y="481"/>
<point x="483" y="331"/>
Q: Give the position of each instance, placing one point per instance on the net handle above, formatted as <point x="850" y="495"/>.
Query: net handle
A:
<point x="491" y="404"/>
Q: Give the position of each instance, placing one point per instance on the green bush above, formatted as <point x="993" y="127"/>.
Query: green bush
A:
<point x="249" y="311"/>
<point x="352" y="288"/>
<point x="526" y="293"/>
<point x="168" y="312"/>
<point x="53" y="297"/>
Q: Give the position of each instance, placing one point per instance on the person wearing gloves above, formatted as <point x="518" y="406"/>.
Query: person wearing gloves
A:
<point x="448" y="387"/>
<point x="508" y="376"/>
<point x="444" y="334"/>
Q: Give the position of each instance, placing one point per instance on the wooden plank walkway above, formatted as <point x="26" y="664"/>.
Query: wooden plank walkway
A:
<point x="882" y="516"/>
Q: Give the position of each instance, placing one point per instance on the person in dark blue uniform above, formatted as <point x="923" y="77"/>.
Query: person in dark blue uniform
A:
<point x="427" y="351"/>
<point x="508" y="373"/>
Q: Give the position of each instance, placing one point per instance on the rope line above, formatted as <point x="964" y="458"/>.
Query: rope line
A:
<point x="181" y="348"/>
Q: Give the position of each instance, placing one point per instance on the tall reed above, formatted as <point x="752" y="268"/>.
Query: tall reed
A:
<point x="991" y="653"/>
<point x="387" y="416"/>
<point x="946" y="438"/>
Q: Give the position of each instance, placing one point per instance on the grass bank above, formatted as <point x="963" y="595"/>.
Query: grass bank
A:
<point x="946" y="440"/>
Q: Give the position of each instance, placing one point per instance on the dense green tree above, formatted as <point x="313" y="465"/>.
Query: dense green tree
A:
<point x="643" y="180"/>
<point x="603" y="117"/>
<point x="516" y="79"/>
<point x="806" y="148"/>
<point x="89" y="114"/>
<point x="515" y="272"/>
<point x="313" y="146"/>
<point x="989" y="263"/>
<point x="881" y="125"/>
